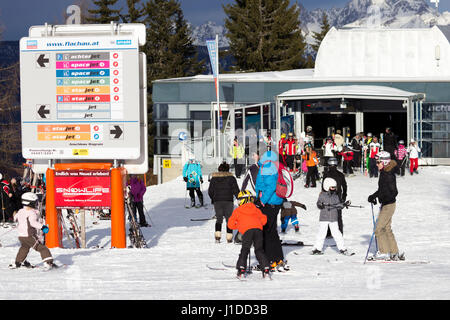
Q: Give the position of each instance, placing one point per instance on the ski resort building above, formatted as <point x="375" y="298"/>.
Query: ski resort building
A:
<point x="363" y="81"/>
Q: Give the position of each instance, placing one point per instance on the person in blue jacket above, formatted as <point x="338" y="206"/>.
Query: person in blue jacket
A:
<point x="270" y="204"/>
<point x="192" y="175"/>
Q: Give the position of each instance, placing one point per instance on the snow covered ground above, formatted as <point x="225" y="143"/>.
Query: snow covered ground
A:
<point x="174" y="265"/>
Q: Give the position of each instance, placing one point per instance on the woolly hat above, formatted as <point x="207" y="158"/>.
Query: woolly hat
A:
<point x="384" y="157"/>
<point x="329" y="183"/>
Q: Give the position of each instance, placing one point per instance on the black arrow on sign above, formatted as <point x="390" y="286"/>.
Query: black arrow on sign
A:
<point x="42" y="60"/>
<point x="117" y="132"/>
<point x="42" y="111"/>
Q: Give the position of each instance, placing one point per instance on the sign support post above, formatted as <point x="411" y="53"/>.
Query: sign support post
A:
<point x="52" y="238"/>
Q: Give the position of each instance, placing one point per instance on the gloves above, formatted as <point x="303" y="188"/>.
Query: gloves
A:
<point x="44" y="229"/>
<point x="185" y="179"/>
<point x="201" y="180"/>
<point x="302" y="206"/>
<point x="320" y="206"/>
<point x="347" y="203"/>
<point x="372" y="199"/>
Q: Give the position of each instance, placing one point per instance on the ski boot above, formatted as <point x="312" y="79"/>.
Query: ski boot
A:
<point x="50" y="265"/>
<point x="229" y="237"/>
<point x="316" y="252"/>
<point x="397" y="256"/>
<point x="379" y="256"/>
<point x="240" y="273"/>
<point x="266" y="273"/>
<point x="283" y="230"/>
<point x="192" y="203"/>
<point x="297" y="228"/>
<point x="282" y="266"/>
<point x="346" y="252"/>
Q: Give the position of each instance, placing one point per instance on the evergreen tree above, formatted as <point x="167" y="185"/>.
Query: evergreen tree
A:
<point x="103" y="14"/>
<point x="169" y="49"/>
<point x="265" y="35"/>
<point x="318" y="36"/>
<point x="134" y="14"/>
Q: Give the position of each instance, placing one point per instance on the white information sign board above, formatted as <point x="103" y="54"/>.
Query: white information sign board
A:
<point x="80" y="97"/>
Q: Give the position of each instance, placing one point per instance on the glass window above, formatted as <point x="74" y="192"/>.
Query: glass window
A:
<point x="162" y="111"/>
<point x="178" y="111"/>
<point x="200" y="115"/>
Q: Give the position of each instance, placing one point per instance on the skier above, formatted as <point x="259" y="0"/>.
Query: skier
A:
<point x="222" y="189"/>
<point x="310" y="158"/>
<point x="249" y="220"/>
<point x="386" y="194"/>
<point x="413" y="152"/>
<point x="341" y="188"/>
<point x="374" y="148"/>
<point x="237" y="153"/>
<point x="329" y="203"/>
<point x="192" y="175"/>
<point x="290" y="149"/>
<point x="309" y="135"/>
<point x="347" y="155"/>
<point x="5" y="199"/>
<point x="367" y="141"/>
<point x="31" y="230"/>
<point x="390" y="142"/>
<point x="137" y="191"/>
<point x="329" y="149"/>
<point x="356" y="148"/>
<point x="400" y="154"/>
<point x="339" y="141"/>
<point x="270" y="205"/>
<point x="289" y="212"/>
<point x="281" y="149"/>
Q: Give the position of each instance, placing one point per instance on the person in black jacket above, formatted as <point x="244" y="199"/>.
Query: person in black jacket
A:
<point x="252" y="173"/>
<point x="356" y="148"/>
<point x="223" y="188"/>
<point x="341" y="188"/>
<point x="390" y="142"/>
<point x="386" y="194"/>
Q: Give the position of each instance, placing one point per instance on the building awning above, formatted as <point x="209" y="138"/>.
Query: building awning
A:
<point x="350" y="92"/>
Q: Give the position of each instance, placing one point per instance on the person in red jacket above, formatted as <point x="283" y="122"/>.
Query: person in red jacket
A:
<point x="281" y="153"/>
<point x="347" y="155"/>
<point x="249" y="221"/>
<point x="290" y="148"/>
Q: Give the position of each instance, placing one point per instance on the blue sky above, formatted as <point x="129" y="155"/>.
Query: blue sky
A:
<point x="16" y="16"/>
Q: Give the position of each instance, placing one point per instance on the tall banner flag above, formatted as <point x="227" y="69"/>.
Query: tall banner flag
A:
<point x="213" y="50"/>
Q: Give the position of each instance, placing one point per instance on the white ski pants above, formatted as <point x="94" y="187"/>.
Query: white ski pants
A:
<point x="337" y="235"/>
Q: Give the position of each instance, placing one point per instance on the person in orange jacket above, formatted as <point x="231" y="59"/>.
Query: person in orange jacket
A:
<point x="249" y="221"/>
<point x="310" y="157"/>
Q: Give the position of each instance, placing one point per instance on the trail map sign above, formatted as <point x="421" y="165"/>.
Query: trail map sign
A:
<point x="80" y="97"/>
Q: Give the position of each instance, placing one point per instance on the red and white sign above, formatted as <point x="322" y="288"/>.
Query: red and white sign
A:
<point x="89" y="189"/>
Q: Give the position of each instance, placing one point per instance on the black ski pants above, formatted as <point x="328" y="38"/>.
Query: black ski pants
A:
<point x="139" y="206"/>
<point x="223" y="209"/>
<point x="347" y="167"/>
<point x="252" y="237"/>
<point x="311" y="176"/>
<point x="272" y="243"/>
<point x="290" y="162"/>
<point x="199" y="194"/>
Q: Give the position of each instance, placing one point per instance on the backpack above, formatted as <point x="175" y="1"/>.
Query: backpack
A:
<point x="285" y="183"/>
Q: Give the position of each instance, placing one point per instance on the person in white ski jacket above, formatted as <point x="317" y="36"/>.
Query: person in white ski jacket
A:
<point x="413" y="151"/>
<point x="30" y="230"/>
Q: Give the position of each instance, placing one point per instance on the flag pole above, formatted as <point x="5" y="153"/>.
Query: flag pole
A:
<point x="218" y="98"/>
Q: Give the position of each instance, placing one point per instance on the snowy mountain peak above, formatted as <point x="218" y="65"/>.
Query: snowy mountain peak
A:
<point x="207" y="31"/>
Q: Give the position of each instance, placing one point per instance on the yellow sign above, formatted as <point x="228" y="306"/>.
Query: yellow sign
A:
<point x="80" y="152"/>
<point x="167" y="163"/>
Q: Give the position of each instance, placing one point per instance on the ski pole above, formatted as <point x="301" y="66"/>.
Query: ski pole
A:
<point x="374" y="226"/>
<point x="148" y="214"/>
<point x="370" y="243"/>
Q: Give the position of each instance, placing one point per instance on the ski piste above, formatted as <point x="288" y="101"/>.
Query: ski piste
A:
<point x="38" y="267"/>
<point x="396" y="261"/>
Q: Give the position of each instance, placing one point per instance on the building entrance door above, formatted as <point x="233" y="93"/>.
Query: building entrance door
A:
<point x="323" y="125"/>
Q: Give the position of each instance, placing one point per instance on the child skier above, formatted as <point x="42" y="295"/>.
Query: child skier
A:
<point x="192" y="175"/>
<point x="289" y="212"/>
<point x="400" y="154"/>
<point x="347" y="155"/>
<point x="374" y="148"/>
<point x="249" y="220"/>
<point x="413" y="151"/>
<point x="310" y="158"/>
<point x="31" y="231"/>
<point x="329" y="203"/>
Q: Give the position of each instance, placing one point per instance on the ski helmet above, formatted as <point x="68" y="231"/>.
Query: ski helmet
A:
<point x="332" y="162"/>
<point x="329" y="183"/>
<point x="384" y="157"/>
<point x="283" y="135"/>
<point x="401" y="142"/>
<point x="1" y="176"/>
<point x="245" y="197"/>
<point x="308" y="128"/>
<point x="29" y="199"/>
<point x="369" y="134"/>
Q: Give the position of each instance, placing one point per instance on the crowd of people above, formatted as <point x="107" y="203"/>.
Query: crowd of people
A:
<point x="256" y="217"/>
